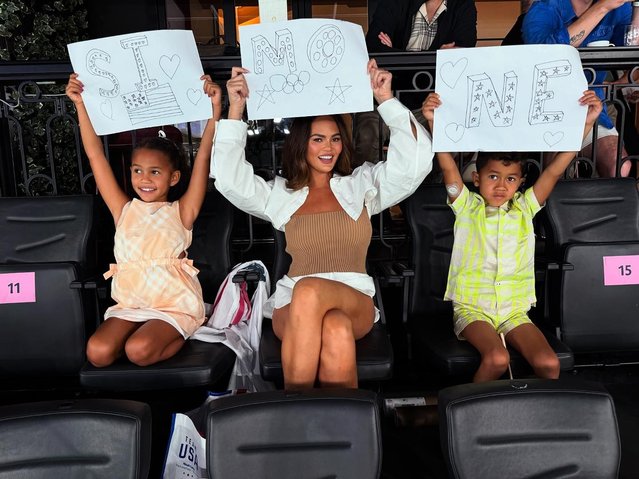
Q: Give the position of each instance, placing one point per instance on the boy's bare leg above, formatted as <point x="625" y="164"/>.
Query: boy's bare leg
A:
<point x="308" y="321"/>
<point x="494" y="357"/>
<point x="533" y="346"/>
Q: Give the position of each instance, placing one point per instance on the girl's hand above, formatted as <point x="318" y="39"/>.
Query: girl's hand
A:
<point x="594" y="106"/>
<point x="238" y="92"/>
<point x="431" y="102"/>
<point x="214" y="92"/>
<point x="74" y="89"/>
<point x="380" y="82"/>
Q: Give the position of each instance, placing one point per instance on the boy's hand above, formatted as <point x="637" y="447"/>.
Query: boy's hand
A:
<point x="380" y="82"/>
<point x="594" y="106"/>
<point x="214" y="92"/>
<point x="431" y="102"/>
<point x="74" y="89"/>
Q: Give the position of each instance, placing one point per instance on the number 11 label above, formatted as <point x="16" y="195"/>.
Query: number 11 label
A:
<point x="17" y="288"/>
<point x="620" y="270"/>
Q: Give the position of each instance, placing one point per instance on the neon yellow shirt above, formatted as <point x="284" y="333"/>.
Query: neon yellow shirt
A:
<point x="492" y="266"/>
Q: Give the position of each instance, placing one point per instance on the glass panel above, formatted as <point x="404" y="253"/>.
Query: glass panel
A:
<point x="354" y="11"/>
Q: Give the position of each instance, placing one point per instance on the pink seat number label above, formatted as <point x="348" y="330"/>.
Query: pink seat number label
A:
<point x="620" y="270"/>
<point x="17" y="288"/>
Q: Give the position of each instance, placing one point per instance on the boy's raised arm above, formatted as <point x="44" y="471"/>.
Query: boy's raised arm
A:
<point x="452" y="177"/>
<point x="554" y="171"/>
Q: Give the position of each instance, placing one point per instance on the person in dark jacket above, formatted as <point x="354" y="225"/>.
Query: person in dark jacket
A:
<point x="415" y="25"/>
<point x="411" y="25"/>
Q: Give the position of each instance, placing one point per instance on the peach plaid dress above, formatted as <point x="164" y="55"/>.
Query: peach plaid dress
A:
<point x="153" y="279"/>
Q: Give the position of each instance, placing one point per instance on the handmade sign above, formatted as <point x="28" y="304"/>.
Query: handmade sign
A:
<point x="273" y="10"/>
<point x="141" y="80"/>
<point x="509" y="98"/>
<point x="305" y="67"/>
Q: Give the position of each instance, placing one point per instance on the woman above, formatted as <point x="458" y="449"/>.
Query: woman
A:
<point x="325" y="302"/>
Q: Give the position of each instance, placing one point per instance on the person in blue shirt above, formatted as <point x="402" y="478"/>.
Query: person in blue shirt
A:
<point x="578" y="23"/>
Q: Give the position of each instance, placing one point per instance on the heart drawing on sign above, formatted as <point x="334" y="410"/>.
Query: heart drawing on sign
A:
<point x="454" y="131"/>
<point x="194" y="95"/>
<point x="451" y="72"/>
<point x="552" y="139"/>
<point x="106" y="108"/>
<point x="169" y="65"/>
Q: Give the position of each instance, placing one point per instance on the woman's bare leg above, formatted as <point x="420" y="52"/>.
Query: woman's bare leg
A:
<point x="300" y="326"/>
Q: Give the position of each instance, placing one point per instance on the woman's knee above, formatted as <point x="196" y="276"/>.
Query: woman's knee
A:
<point x="306" y="293"/>
<point x="338" y="341"/>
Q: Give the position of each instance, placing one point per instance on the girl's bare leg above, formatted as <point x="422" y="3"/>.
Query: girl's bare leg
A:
<point x="107" y="343"/>
<point x="313" y="328"/>
<point x="154" y="341"/>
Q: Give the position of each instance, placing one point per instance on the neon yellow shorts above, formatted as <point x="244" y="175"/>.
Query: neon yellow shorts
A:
<point x="464" y="315"/>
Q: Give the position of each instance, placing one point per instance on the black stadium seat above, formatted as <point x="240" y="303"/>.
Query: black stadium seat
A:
<point x="586" y="221"/>
<point x="374" y="351"/>
<point x="529" y="428"/>
<point x="45" y="309"/>
<point x="78" y="439"/>
<point x="319" y="433"/>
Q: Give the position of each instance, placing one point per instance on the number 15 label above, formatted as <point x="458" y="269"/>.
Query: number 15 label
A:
<point x="17" y="288"/>
<point x="620" y="270"/>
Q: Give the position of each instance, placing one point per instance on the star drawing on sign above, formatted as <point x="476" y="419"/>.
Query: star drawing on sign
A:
<point x="508" y="109"/>
<point x="509" y="97"/>
<point x="491" y="104"/>
<point x="337" y="91"/>
<point x="511" y="86"/>
<point x="476" y="108"/>
<point x="497" y="115"/>
<point x="266" y="94"/>
<point x="566" y="68"/>
<point x="477" y="96"/>
<point x="555" y="70"/>
<point x="506" y="120"/>
<point x="489" y="92"/>
<point x="480" y="86"/>
<point x="543" y="73"/>
<point x="557" y="118"/>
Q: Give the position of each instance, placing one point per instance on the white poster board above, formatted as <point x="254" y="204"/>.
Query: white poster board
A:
<point x="141" y="80"/>
<point x="305" y="67"/>
<point x="509" y="98"/>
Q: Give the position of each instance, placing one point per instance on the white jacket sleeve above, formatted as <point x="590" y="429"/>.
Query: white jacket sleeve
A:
<point x="234" y="176"/>
<point x="408" y="160"/>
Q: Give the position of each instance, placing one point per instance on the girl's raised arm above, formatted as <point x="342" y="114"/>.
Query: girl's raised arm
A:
<point x="191" y="201"/>
<point x="114" y="197"/>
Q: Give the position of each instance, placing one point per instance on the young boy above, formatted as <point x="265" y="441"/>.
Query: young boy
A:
<point x="491" y="279"/>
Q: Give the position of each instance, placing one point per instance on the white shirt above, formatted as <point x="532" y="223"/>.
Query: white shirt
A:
<point x="377" y="187"/>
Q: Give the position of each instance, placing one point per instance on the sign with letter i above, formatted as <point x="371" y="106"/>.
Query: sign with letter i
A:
<point x="17" y="288"/>
<point x="621" y="270"/>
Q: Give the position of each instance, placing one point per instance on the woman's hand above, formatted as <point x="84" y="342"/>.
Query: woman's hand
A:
<point x="238" y="92"/>
<point x="74" y="89"/>
<point x="380" y="82"/>
<point x="214" y="92"/>
<point x="431" y="102"/>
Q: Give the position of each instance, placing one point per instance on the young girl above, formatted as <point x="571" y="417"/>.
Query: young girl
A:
<point x="325" y="302"/>
<point x="491" y="281"/>
<point x="159" y="299"/>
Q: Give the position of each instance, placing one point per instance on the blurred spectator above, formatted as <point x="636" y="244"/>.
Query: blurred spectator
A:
<point x="578" y="23"/>
<point x="411" y="25"/>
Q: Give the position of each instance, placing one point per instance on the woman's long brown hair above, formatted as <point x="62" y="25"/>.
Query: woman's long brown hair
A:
<point x="294" y="166"/>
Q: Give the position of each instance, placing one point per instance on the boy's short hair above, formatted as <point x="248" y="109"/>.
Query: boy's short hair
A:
<point x="483" y="157"/>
